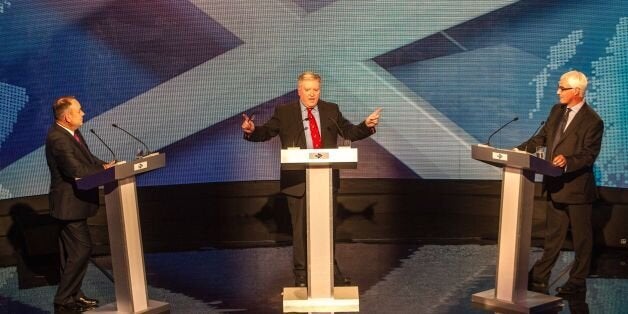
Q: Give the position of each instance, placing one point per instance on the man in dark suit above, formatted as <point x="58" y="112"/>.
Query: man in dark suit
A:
<point x="307" y="123"/>
<point x="573" y="138"/>
<point x="68" y="158"/>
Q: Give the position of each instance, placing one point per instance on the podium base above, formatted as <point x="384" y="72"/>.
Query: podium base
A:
<point x="533" y="303"/>
<point x="345" y="299"/>
<point x="153" y="307"/>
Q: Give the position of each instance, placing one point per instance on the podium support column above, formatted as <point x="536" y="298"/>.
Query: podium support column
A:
<point x="320" y="295"/>
<point x="515" y="229"/>
<point x="320" y="240"/>
<point x="127" y="255"/>
<point x="125" y="236"/>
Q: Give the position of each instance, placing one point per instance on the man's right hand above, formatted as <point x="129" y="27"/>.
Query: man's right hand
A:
<point x="247" y="124"/>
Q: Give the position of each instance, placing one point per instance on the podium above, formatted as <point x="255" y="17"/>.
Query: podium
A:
<point x="125" y="238"/>
<point x="515" y="227"/>
<point x="320" y="295"/>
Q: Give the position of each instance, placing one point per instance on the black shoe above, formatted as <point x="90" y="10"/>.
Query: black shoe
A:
<point x="571" y="288"/>
<point x="300" y="281"/>
<point x="69" y="308"/>
<point x="539" y="287"/>
<point x="87" y="301"/>
<point x="339" y="278"/>
<point x="342" y="281"/>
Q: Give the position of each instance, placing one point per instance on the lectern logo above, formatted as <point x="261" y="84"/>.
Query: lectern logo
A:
<point x="319" y="155"/>
<point x="500" y="156"/>
<point x="140" y="166"/>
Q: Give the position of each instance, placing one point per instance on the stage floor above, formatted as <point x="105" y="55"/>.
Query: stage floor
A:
<point x="392" y="278"/>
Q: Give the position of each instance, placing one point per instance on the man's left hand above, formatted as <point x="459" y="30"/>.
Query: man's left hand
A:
<point x="373" y="119"/>
<point x="560" y="161"/>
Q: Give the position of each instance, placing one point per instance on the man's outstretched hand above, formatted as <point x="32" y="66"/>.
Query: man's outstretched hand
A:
<point x="247" y="124"/>
<point x="373" y="119"/>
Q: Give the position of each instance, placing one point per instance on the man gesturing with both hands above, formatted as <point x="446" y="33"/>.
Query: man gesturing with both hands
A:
<point x="308" y="122"/>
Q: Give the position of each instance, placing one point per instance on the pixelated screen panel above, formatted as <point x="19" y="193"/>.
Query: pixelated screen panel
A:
<point x="179" y="76"/>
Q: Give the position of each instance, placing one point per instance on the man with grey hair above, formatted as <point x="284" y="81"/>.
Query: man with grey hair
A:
<point x="573" y="139"/>
<point x="307" y="123"/>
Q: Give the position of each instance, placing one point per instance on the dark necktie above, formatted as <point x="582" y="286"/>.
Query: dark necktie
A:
<point x="561" y="129"/>
<point x="77" y="138"/>
<point x="316" y="136"/>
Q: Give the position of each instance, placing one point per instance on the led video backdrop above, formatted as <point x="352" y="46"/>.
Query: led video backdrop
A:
<point x="178" y="75"/>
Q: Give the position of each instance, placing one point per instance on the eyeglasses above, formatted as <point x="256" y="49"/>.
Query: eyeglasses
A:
<point x="562" y="89"/>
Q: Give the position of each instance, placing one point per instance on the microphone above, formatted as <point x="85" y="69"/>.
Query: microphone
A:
<point x="103" y="142"/>
<point x="342" y="134"/>
<point x="488" y="142"/>
<point x="533" y="134"/>
<point x="141" y="153"/>
<point x="301" y="133"/>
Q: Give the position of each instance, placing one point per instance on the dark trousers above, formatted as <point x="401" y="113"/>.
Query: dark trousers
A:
<point x="75" y="248"/>
<point x="298" y="215"/>
<point x="559" y="218"/>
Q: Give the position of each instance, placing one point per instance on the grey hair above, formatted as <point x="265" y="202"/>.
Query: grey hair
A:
<point x="309" y="75"/>
<point x="576" y="79"/>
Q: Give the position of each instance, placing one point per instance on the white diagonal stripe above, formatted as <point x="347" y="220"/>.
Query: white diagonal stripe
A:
<point x="280" y="41"/>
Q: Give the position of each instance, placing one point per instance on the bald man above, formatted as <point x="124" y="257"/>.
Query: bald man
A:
<point x="68" y="158"/>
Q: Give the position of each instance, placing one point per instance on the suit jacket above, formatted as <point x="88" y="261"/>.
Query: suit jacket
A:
<point x="580" y="144"/>
<point x="287" y="122"/>
<point x="68" y="159"/>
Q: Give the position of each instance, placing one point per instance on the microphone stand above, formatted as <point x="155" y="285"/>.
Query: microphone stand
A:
<point x="103" y="142"/>
<point x="342" y="134"/>
<point x="533" y="134"/>
<point x="140" y="153"/>
<point x="488" y="142"/>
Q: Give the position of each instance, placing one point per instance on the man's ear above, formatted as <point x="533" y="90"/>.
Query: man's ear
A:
<point x="580" y="92"/>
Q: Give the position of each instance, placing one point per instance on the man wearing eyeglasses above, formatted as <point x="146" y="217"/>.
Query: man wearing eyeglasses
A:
<point x="573" y="138"/>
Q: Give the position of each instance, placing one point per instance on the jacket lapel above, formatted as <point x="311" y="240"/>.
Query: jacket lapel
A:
<point x="324" y="115"/>
<point x="296" y="113"/>
<point x="81" y="147"/>
<point x="577" y="120"/>
<point x="84" y="148"/>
